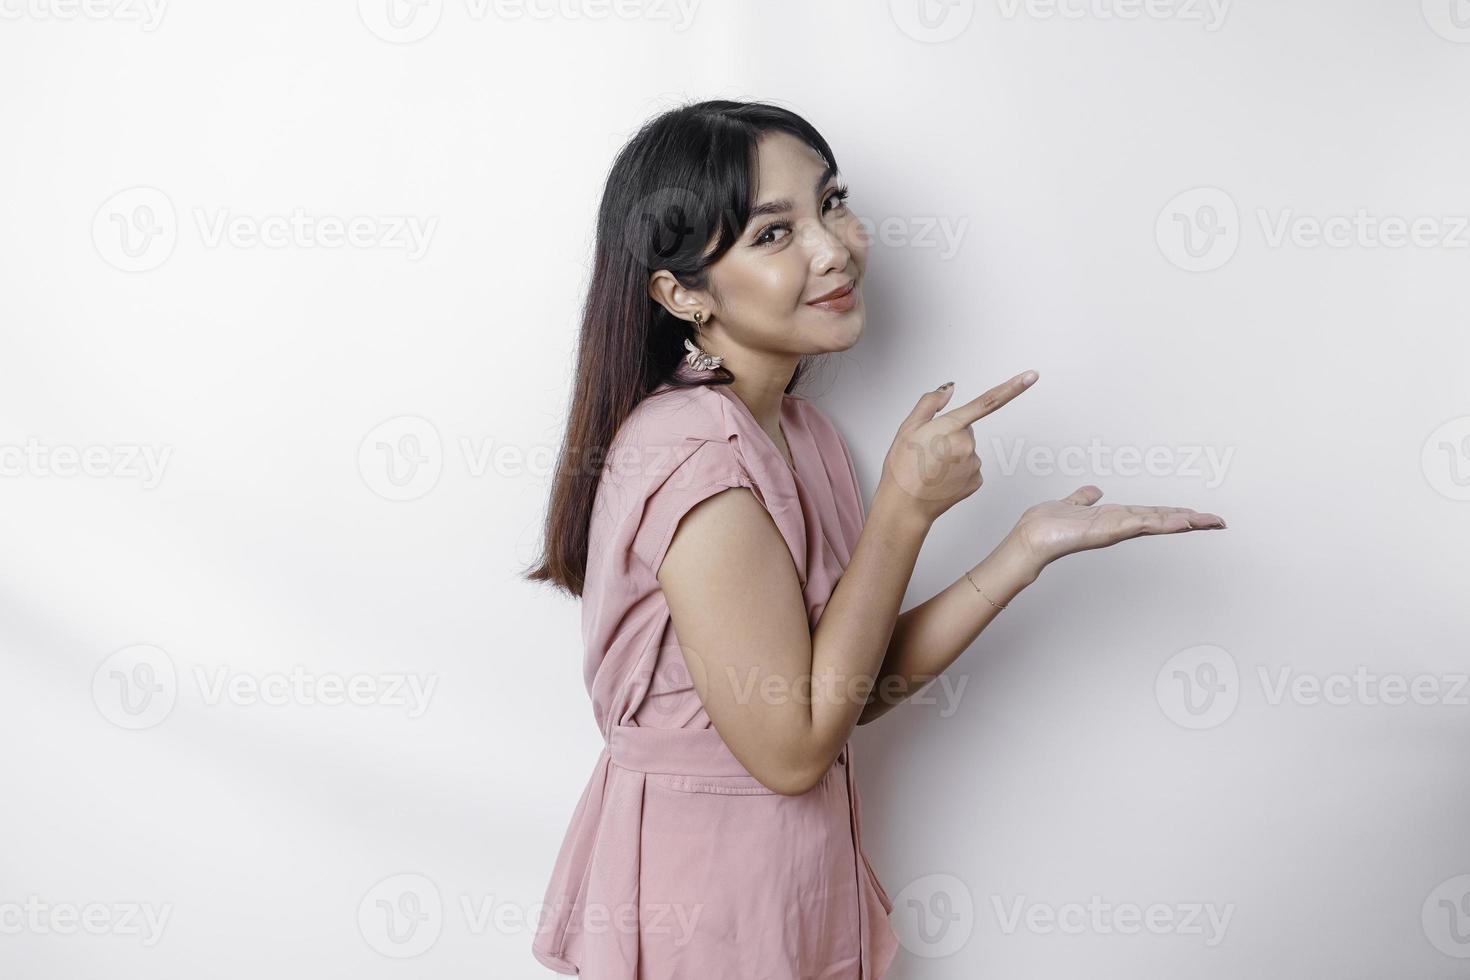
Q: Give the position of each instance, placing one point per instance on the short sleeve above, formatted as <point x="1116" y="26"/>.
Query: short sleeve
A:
<point x="710" y="467"/>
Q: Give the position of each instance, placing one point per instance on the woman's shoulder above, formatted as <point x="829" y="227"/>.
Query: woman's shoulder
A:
<point x="669" y="416"/>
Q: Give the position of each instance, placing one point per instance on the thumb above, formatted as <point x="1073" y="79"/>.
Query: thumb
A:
<point x="1085" y="495"/>
<point x="929" y="404"/>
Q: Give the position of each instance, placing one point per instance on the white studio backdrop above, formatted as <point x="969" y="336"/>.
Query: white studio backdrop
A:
<point x="275" y="700"/>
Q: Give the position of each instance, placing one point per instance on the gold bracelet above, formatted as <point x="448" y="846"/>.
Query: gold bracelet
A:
<point x="998" y="605"/>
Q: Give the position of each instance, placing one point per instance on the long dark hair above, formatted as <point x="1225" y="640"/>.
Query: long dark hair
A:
<point x="685" y="179"/>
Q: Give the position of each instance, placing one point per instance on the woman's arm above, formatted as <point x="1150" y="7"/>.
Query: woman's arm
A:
<point x="783" y="696"/>
<point x="932" y="635"/>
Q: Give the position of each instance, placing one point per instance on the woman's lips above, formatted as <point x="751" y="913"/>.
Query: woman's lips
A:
<point x="844" y="300"/>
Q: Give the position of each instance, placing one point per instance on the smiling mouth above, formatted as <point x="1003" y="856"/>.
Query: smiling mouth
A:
<point x="834" y="294"/>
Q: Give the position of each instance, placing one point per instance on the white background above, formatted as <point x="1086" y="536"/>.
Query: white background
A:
<point x="1056" y="142"/>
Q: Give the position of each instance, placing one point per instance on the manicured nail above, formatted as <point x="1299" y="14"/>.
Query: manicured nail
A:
<point x="1028" y="377"/>
<point x="947" y="384"/>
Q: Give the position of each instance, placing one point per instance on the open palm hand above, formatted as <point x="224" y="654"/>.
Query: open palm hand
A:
<point x="1062" y="527"/>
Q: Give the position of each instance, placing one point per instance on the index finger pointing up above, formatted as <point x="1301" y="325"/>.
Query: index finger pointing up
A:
<point x="982" y="406"/>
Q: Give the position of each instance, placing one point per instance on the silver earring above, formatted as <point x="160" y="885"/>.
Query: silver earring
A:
<point x="697" y="358"/>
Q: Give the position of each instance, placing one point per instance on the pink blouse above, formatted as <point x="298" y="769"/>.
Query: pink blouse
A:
<point x="678" y="864"/>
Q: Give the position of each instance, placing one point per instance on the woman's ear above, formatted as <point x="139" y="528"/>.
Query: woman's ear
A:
<point x="664" y="289"/>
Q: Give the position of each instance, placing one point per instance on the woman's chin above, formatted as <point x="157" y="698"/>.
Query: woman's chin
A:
<point x="842" y="336"/>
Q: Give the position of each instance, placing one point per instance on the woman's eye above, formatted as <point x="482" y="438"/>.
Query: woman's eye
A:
<point x="836" y="200"/>
<point x="764" y="237"/>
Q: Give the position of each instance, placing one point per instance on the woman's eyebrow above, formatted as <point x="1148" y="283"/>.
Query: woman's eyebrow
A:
<point x="777" y="207"/>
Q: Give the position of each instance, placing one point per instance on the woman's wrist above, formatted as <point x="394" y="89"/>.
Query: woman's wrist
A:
<point x="1008" y="569"/>
<point x="891" y="507"/>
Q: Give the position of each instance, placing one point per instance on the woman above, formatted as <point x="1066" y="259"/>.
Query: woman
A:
<point x="734" y="639"/>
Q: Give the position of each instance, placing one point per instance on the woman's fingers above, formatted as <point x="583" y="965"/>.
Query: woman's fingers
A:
<point x="978" y="408"/>
<point x="1085" y="496"/>
<point x="1166" y="520"/>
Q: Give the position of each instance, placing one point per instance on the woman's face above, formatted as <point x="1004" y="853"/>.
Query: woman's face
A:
<point x="801" y="243"/>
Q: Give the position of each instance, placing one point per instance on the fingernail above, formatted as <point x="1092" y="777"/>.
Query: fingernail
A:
<point x="1028" y="377"/>
<point x="947" y="384"/>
